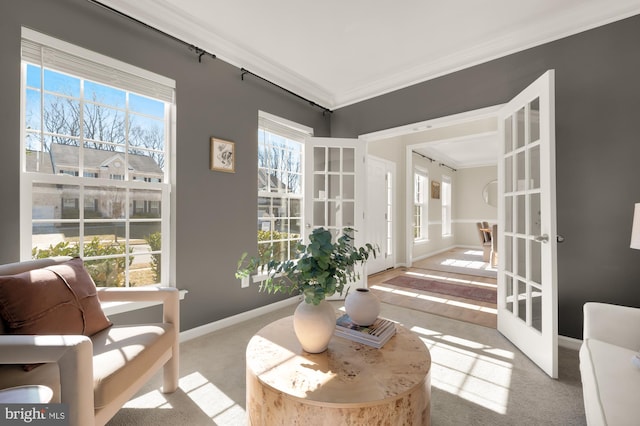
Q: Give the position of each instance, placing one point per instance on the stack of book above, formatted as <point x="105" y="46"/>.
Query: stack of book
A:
<point x="376" y="334"/>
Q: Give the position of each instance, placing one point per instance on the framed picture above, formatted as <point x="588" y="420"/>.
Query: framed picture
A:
<point x="223" y="156"/>
<point x="435" y="189"/>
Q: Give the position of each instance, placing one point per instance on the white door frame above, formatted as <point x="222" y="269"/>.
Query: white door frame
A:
<point x="390" y="168"/>
<point x="411" y="129"/>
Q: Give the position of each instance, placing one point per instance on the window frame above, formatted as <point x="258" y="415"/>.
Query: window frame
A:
<point x="131" y="77"/>
<point x="447" y="206"/>
<point x="420" y="205"/>
<point x="292" y="132"/>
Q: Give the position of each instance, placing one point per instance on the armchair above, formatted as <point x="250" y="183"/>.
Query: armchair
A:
<point x="95" y="375"/>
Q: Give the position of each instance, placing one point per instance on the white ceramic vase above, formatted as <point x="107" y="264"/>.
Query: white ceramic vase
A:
<point x="362" y="306"/>
<point x="314" y="325"/>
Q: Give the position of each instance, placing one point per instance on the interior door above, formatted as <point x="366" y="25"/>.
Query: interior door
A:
<point x="527" y="274"/>
<point x="334" y="190"/>
<point x="379" y="215"/>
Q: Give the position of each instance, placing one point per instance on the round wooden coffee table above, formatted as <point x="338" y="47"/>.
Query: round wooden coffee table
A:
<point x="349" y="383"/>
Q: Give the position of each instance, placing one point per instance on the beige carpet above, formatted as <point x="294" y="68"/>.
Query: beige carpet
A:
<point x="478" y="378"/>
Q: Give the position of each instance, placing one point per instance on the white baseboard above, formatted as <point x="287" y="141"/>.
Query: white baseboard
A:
<point x="202" y="330"/>
<point x="563" y="341"/>
<point x="569" y="343"/>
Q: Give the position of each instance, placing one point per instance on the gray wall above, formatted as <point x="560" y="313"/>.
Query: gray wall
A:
<point x="216" y="212"/>
<point x="597" y="149"/>
<point x="597" y="128"/>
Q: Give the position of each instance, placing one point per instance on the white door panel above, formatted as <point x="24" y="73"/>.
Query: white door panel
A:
<point x="527" y="274"/>
<point x="335" y="190"/>
<point x="380" y="215"/>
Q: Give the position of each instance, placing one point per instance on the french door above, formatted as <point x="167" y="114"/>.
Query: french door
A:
<point x="527" y="274"/>
<point x="335" y="190"/>
<point x="380" y="215"/>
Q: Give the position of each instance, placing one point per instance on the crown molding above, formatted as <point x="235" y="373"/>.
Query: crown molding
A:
<point x="560" y="26"/>
<point x="165" y="17"/>
<point x="171" y="20"/>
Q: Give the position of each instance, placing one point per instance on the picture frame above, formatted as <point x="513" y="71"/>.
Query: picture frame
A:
<point x="435" y="189"/>
<point x="222" y="156"/>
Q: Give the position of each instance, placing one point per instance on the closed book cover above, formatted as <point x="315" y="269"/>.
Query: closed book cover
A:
<point x="381" y="330"/>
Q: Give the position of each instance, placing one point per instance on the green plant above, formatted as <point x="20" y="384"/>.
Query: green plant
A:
<point x="323" y="268"/>
<point x="105" y="272"/>
<point x="154" y="240"/>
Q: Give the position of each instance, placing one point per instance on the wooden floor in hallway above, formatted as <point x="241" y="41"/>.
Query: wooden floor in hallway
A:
<point x="476" y="312"/>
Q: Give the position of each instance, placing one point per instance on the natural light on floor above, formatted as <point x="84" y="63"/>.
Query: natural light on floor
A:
<point x="476" y="372"/>
<point x="469" y="263"/>
<point x="214" y="403"/>
<point x="442" y="298"/>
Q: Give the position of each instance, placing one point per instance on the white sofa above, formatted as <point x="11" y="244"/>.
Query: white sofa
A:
<point x="610" y="381"/>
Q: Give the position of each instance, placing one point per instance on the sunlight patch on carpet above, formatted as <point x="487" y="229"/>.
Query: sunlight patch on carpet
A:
<point x="153" y="399"/>
<point x="450" y="279"/>
<point x="436" y="299"/>
<point x="471" y="370"/>
<point x="205" y="395"/>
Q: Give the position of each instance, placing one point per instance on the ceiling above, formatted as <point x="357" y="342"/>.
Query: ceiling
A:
<point x="339" y="52"/>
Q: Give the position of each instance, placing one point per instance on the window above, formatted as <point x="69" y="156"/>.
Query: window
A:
<point x="419" y="205"/>
<point x="91" y="124"/>
<point x="280" y="188"/>
<point x="446" y="205"/>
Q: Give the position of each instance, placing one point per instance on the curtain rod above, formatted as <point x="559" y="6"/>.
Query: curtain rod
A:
<point x="244" y="71"/>
<point x="201" y="52"/>
<point x="434" y="161"/>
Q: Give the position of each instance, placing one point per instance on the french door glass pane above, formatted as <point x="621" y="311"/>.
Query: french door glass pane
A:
<point x="520" y="128"/>
<point x="318" y="213"/>
<point x="334" y="187"/>
<point x="319" y="187"/>
<point x="348" y="160"/>
<point x="534" y="167"/>
<point x="334" y="160"/>
<point x="508" y="253"/>
<point x="520" y="214"/>
<point x="319" y="164"/>
<point x="522" y="300"/>
<point x="509" y="292"/>
<point x="508" y="217"/>
<point x="508" y="174"/>
<point x="348" y="213"/>
<point x="534" y="120"/>
<point x="349" y="187"/>
<point x="521" y="171"/>
<point x="536" y="309"/>
<point x="508" y="135"/>
<point x="521" y="260"/>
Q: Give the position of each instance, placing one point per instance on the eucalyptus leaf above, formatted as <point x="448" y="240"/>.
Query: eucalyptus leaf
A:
<point x="323" y="268"/>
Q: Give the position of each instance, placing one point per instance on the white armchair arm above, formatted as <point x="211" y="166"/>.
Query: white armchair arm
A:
<point x="170" y="298"/>
<point x="618" y="325"/>
<point x="74" y="356"/>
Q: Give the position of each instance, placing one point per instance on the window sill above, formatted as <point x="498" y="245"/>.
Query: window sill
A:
<point x="420" y="242"/>
<point x="114" y="308"/>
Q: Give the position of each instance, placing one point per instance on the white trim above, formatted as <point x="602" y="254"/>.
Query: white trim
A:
<point x="434" y="123"/>
<point x="205" y="329"/>
<point x="172" y="20"/>
<point x="284" y="122"/>
<point x="114" y="308"/>
<point x="569" y="342"/>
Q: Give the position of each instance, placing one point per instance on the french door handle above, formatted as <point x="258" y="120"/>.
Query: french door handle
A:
<point x="544" y="238"/>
